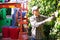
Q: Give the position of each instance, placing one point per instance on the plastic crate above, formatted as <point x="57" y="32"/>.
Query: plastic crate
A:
<point x="14" y="33"/>
<point x="5" y="32"/>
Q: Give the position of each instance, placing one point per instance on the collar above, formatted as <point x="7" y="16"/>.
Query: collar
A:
<point x="34" y="16"/>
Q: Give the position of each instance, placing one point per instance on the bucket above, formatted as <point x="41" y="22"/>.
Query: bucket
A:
<point x="5" y="32"/>
<point x="14" y="33"/>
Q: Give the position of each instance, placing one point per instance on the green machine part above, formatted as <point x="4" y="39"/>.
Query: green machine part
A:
<point x="3" y="20"/>
<point x="8" y="21"/>
<point x="2" y="16"/>
<point x="8" y="18"/>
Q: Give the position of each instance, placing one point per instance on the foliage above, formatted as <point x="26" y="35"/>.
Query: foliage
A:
<point x="56" y="29"/>
<point x="46" y="7"/>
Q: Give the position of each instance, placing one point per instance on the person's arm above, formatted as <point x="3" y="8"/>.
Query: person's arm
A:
<point x="34" y="23"/>
<point x="46" y="20"/>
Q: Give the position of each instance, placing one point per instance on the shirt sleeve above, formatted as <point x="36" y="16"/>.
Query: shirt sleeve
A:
<point x="34" y="23"/>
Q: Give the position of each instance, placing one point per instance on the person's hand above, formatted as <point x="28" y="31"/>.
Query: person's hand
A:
<point x="55" y="14"/>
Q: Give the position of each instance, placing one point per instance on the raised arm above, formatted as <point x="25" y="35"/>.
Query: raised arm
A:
<point x="46" y="20"/>
<point x="34" y="23"/>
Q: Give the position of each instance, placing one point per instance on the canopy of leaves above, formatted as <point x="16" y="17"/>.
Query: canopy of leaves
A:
<point x="46" y="7"/>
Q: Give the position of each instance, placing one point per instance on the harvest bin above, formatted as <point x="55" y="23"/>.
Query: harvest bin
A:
<point x="14" y="33"/>
<point x="5" y="32"/>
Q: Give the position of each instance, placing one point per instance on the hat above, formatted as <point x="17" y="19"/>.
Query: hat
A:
<point x="34" y="8"/>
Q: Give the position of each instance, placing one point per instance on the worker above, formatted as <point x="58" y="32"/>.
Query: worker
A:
<point x="13" y="12"/>
<point x="37" y="22"/>
<point x="14" y="18"/>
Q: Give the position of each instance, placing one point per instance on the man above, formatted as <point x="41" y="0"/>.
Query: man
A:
<point x="14" y="11"/>
<point x="37" y="22"/>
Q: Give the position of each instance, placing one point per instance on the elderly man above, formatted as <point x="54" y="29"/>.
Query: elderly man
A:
<point x="37" y="22"/>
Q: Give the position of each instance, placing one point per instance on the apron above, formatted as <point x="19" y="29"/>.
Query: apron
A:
<point x="39" y="30"/>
